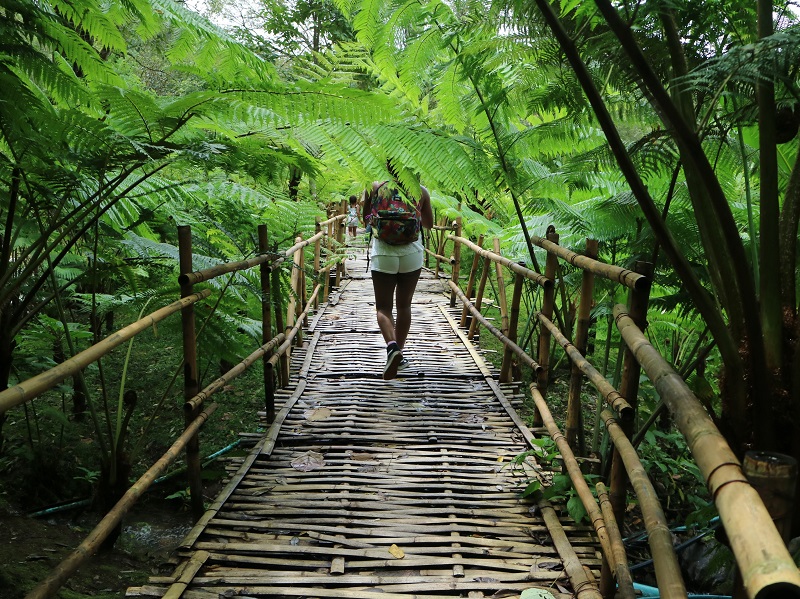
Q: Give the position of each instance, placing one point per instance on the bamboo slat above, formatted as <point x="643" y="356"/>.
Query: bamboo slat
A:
<point x="409" y="491"/>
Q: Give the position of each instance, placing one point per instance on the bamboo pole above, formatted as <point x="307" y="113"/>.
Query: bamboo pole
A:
<point x="283" y="349"/>
<point x="479" y="318"/>
<point x="513" y="324"/>
<point x="498" y="259"/>
<point x="303" y="295"/>
<point x="279" y="326"/>
<point x="501" y="289"/>
<point x="611" y="395"/>
<point x="766" y="566"/>
<point x="629" y="388"/>
<point x="609" y="536"/>
<point x="227" y="267"/>
<point x="574" y="428"/>
<point x="191" y="383"/>
<point x="630" y="279"/>
<point x="441" y="246"/>
<point x="208" y="391"/>
<point x="266" y="314"/>
<point x="439" y="258"/>
<point x="333" y="219"/>
<point x="340" y="231"/>
<point x="582" y="584"/>
<point x="329" y="246"/>
<point x="35" y="386"/>
<point x="668" y="572"/>
<point x="548" y="304"/>
<point x="476" y="257"/>
<point x="456" y="257"/>
<point x="294" y="292"/>
<point x="479" y="297"/>
<point x="624" y="582"/>
<point x="89" y="546"/>
<point x="317" y="255"/>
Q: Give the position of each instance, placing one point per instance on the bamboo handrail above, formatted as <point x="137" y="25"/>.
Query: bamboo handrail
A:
<point x="623" y="574"/>
<point x="593" y="510"/>
<point x="218" y="270"/>
<point x="583" y="586"/>
<point x="218" y="384"/>
<point x="212" y="272"/>
<point x="517" y="268"/>
<point x="34" y="386"/>
<point x="451" y="259"/>
<point x="625" y="277"/>
<point x="659" y="537"/>
<point x="333" y="219"/>
<point x="494" y="330"/>
<point x="293" y="332"/>
<point x="611" y="395"/>
<point x="444" y="227"/>
<point x="765" y="564"/>
<point x="88" y="547"/>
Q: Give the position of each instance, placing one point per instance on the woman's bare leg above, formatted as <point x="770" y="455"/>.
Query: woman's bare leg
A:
<point x="406" y="284"/>
<point x="384" y="285"/>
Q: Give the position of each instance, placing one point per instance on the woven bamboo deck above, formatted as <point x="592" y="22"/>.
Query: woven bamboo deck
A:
<point x="379" y="489"/>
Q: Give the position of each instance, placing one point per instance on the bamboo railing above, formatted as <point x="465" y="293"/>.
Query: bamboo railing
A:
<point x="763" y="560"/>
<point x="274" y="349"/>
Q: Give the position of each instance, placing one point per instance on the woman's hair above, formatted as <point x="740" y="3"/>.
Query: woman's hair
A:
<point x="353" y="199"/>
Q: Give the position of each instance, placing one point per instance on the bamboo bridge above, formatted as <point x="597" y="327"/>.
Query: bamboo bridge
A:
<point x="371" y="488"/>
<point x="418" y="488"/>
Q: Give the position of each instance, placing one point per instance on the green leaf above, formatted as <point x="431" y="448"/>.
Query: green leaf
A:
<point x="531" y="488"/>
<point x="576" y="510"/>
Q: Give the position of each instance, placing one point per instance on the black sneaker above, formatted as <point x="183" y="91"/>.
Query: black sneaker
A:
<point x="404" y="363"/>
<point x="393" y="360"/>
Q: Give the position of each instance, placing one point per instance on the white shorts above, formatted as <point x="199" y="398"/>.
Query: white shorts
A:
<point x="397" y="264"/>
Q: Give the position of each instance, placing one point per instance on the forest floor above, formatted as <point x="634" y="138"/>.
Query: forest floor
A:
<point x="31" y="547"/>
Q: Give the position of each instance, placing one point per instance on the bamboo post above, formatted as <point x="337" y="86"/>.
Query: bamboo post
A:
<point x="574" y="427"/>
<point x="279" y="326"/>
<point x="303" y="294"/>
<point x="548" y="304"/>
<point x="516" y="297"/>
<point x="266" y="318"/>
<point x="294" y="291"/>
<point x="457" y="257"/>
<point x="191" y="384"/>
<point x="340" y="231"/>
<point x="440" y="248"/>
<point x="501" y="290"/>
<point x="466" y="321"/>
<point x="479" y="296"/>
<point x="317" y="254"/>
<point x="329" y="246"/>
<point x="629" y="389"/>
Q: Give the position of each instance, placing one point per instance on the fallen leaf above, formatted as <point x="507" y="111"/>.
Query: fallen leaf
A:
<point x="536" y="594"/>
<point x="310" y="460"/>
<point x="397" y="552"/>
<point x="361" y="457"/>
<point x="315" y="414"/>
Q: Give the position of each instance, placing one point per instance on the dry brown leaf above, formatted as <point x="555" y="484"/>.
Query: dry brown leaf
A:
<point x="314" y="414"/>
<point x="310" y="460"/>
<point x="361" y="457"/>
<point x="397" y="552"/>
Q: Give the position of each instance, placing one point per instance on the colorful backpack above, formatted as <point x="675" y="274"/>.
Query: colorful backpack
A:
<point x="394" y="219"/>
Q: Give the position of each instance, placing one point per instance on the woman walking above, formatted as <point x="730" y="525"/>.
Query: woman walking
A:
<point x="396" y="258"/>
